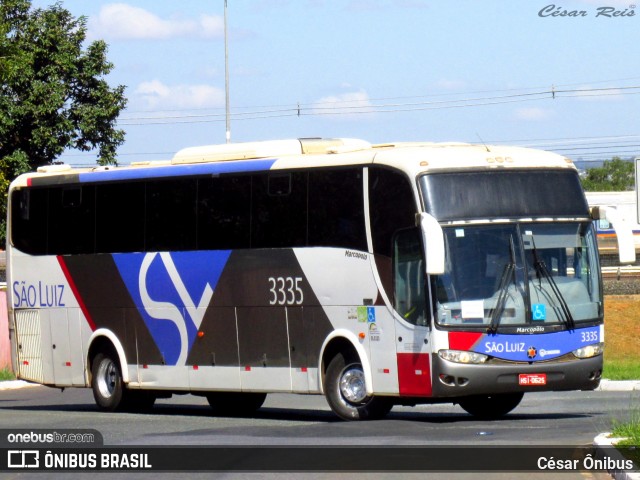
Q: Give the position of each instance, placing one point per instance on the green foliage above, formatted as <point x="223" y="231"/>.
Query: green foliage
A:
<point x="615" y="175"/>
<point x="6" y="374"/>
<point x="53" y="93"/>
<point x="622" y="369"/>
<point x="630" y="430"/>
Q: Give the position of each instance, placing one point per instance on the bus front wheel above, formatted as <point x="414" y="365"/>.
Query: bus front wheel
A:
<point x="346" y="392"/>
<point x="491" y="406"/>
<point x="106" y="382"/>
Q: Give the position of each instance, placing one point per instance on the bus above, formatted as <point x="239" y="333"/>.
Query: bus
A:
<point x="375" y="275"/>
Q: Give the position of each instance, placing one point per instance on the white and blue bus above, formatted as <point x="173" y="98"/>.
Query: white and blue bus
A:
<point x="376" y="275"/>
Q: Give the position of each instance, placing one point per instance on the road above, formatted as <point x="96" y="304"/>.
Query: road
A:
<point x="564" y="418"/>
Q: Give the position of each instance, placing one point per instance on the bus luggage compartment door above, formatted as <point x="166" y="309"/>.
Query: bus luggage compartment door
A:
<point x="28" y="346"/>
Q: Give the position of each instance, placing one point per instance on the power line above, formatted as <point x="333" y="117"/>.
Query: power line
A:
<point x="365" y="107"/>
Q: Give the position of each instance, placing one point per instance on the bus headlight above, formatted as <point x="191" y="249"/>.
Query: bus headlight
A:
<point x="589" y="351"/>
<point x="459" y="356"/>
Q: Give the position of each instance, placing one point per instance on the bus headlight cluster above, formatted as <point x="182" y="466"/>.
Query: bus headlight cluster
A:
<point x="589" y="351"/>
<point x="459" y="356"/>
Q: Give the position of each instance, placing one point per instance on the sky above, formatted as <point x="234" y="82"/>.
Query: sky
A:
<point x="491" y="71"/>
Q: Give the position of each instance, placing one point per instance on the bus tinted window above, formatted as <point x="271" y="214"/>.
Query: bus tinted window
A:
<point x="29" y="220"/>
<point x="392" y="207"/>
<point x="224" y="209"/>
<point x="171" y="215"/>
<point x="318" y="207"/>
<point x="503" y="194"/>
<point x="336" y="211"/>
<point x="72" y="217"/>
<point x="279" y="215"/>
<point x="120" y="217"/>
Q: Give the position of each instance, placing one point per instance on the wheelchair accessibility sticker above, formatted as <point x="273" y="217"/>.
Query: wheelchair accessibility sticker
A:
<point x="366" y="314"/>
<point x="539" y="311"/>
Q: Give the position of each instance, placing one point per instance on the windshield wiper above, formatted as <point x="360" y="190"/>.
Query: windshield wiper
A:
<point x="503" y="289"/>
<point x="543" y="271"/>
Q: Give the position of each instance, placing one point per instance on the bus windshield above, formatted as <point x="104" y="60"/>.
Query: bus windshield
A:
<point x="512" y="275"/>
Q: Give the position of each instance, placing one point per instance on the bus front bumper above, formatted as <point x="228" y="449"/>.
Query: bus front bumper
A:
<point x="455" y="380"/>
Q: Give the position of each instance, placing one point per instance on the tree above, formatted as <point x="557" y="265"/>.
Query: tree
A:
<point x="615" y="175"/>
<point x="53" y="93"/>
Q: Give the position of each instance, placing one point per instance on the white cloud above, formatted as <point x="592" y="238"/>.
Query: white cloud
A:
<point x="533" y="113"/>
<point x="156" y="95"/>
<point x="120" y="21"/>
<point x="345" y="105"/>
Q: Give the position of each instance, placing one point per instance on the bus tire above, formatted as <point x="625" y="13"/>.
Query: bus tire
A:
<point x="491" y="406"/>
<point x="106" y="382"/>
<point x="236" y="403"/>
<point x="346" y="393"/>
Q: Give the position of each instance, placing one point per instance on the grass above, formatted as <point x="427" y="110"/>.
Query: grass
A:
<point x="630" y="431"/>
<point x="6" y="374"/>
<point x="621" y="369"/>
<point x="630" y="434"/>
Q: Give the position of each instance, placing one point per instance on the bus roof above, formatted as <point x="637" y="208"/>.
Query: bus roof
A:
<point x="412" y="157"/>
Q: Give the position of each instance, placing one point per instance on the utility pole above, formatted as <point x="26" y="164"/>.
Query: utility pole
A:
<point x="226" y="75"/>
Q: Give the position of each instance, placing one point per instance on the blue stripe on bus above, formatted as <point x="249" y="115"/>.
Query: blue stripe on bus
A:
<point x="212" y="168"/>
<point x="545" y="346"/>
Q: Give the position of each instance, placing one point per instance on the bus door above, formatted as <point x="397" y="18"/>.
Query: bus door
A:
<point x="412" y="321"/>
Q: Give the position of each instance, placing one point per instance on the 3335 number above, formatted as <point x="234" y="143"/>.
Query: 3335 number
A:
<point x="285" y="291"/>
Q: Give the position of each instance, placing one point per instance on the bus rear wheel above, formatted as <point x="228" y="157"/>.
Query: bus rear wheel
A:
<point x="346" y="392"/>
<point x="491" y="406"/>
<point x="236" y="403"/>
<point x="110" y="392"/>
<point x="106" y="382"/>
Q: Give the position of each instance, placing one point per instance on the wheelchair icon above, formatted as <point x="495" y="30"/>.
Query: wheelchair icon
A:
<point x="539" y="311"/>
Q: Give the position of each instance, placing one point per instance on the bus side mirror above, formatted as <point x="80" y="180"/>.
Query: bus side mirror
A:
<point x="433" y="243"/>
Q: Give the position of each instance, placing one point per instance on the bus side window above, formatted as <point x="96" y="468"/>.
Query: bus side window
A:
<point x="120" y="217"/>
<point x="29" y="220"/>
<point x="279" y="210"/>
<point x="392" y="207"/>
<point x="224" y="210"/>
<point x="336" y="209"/>
<point x="71" y="225"/>
<point x="409" y="276"/>
<point x="171" y="215"/>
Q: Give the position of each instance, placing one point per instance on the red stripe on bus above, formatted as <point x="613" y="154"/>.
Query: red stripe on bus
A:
<point x="463" y="340"/>
<point x="76" y="293"/>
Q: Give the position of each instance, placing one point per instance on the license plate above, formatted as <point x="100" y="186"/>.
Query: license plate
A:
<point x="532" y="379"/>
